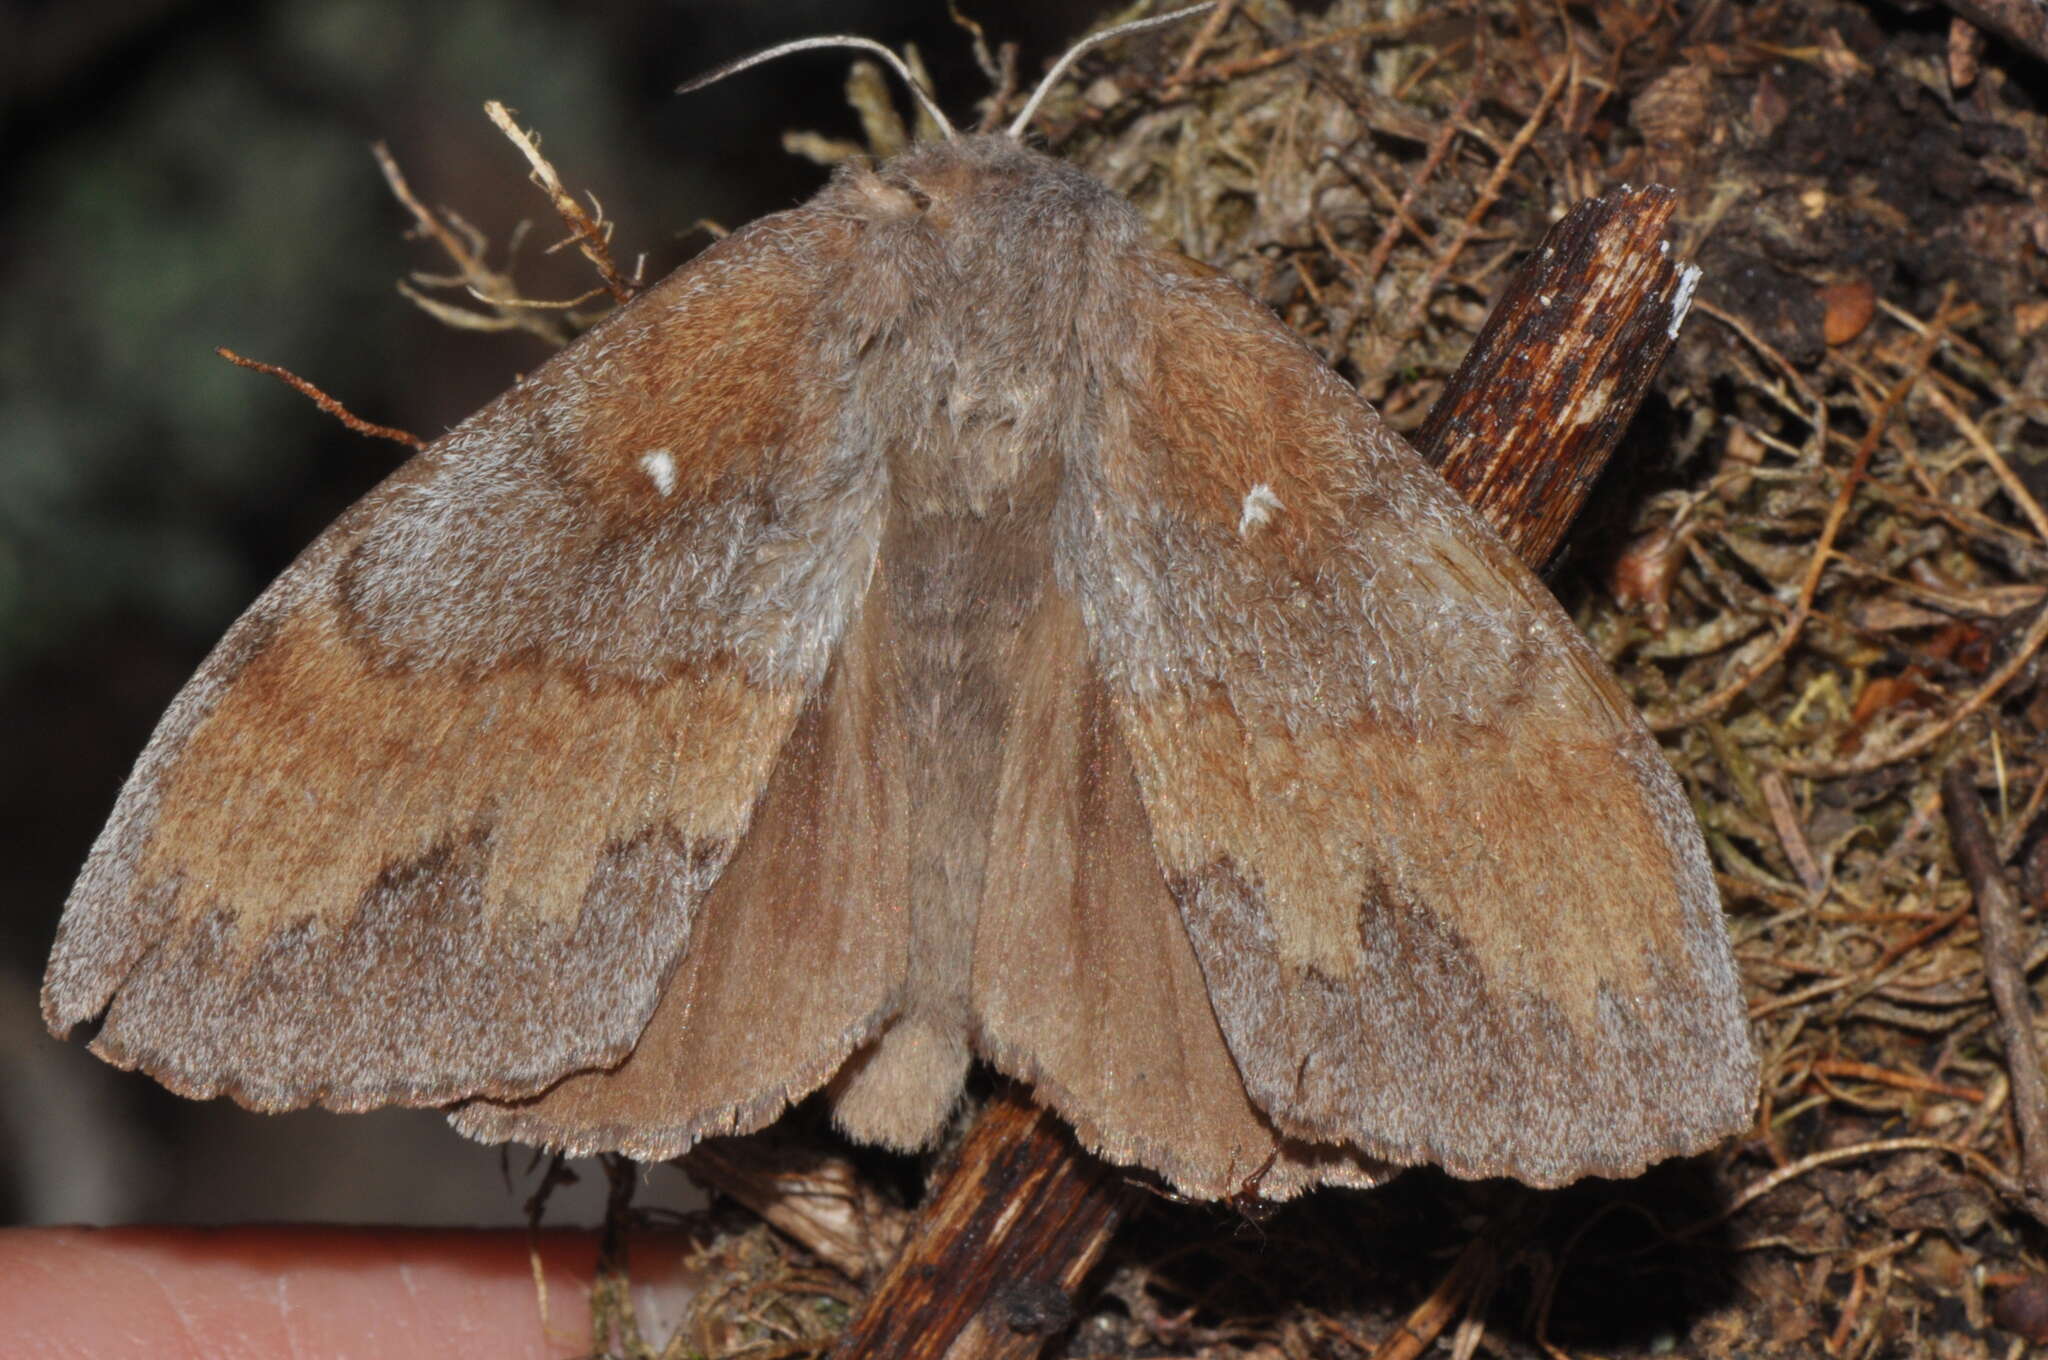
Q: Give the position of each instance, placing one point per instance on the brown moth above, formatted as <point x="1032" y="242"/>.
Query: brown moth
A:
<point x="938" y="623"/>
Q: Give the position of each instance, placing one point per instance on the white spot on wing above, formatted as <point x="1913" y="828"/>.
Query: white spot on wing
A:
<point x="1260" y="505"/>
<point x="660" y="466"/>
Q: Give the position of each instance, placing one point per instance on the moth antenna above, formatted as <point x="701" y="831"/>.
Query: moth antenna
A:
<point x="1087" y="45"/>
<point x="917" y="89"/>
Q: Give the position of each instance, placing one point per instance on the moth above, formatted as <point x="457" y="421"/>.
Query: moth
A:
<point x="939" y="623"/>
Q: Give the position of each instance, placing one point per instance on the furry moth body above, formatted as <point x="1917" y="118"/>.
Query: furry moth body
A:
<point x="938" y="622"/>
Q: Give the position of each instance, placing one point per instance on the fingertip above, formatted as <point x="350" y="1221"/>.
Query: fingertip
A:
<point x="228" y="1293"/>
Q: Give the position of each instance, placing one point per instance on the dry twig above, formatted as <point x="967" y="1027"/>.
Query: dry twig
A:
<point x="591" y="234"/>
<point x="464" y="249"/>
<point x="1998" y="915"/>
<point x="323" y="401"/>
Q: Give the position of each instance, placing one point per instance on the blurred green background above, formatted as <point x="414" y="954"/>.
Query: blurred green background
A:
<point x="183" y="175"/>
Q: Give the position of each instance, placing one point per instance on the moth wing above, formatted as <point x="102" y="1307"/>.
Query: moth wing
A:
<point x="797" y="953"/>
<point x="1085" y="983"/>
<point x="436" y="817"/>
<point x="1449" y="900"/>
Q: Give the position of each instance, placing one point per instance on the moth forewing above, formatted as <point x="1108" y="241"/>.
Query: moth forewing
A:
<point x="434" y="820"/>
